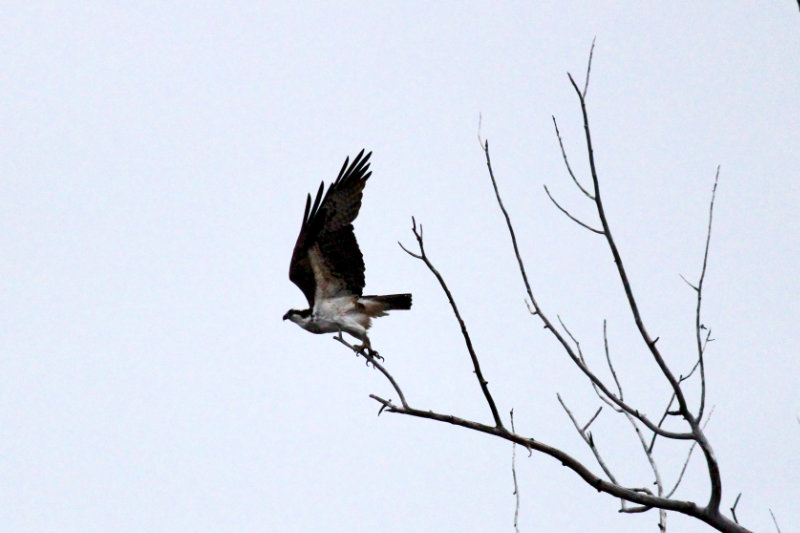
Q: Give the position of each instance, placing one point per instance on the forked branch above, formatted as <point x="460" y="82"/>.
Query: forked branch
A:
<point x="694" y="423"/>
<point x="538" y="311"/>
<point x="422" y="256"/>
<point x="644" y="498"/>
<point x="639" y="496"/>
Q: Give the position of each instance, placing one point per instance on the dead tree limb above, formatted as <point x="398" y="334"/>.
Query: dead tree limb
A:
<point x="643" y="498"/>
<point x="467" y="341"/>
<point x="514" y="475"/>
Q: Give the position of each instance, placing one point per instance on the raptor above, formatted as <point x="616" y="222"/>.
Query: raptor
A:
<point x="327" y="264"/>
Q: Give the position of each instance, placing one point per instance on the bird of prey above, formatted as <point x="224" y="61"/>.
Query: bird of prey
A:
<point x="328" y="266"/>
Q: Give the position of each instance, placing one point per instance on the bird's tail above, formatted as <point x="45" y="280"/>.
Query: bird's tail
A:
<point x="391" y="302"/>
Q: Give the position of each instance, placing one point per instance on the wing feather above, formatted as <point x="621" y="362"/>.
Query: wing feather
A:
<point x="326" y="249"/>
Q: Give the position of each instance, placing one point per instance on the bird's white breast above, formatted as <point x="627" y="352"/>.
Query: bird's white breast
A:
<point x="331" y="314"/>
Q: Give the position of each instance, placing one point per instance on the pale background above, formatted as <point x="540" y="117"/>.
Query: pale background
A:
<point x="154" y="163"/>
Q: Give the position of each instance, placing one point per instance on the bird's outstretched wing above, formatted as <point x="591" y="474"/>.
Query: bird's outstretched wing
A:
<point x="327" y="261"/>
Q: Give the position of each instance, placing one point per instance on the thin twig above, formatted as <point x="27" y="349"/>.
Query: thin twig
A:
<point x="774" y="521"/>
<point x="662" y="515"/>
<point x="698" y="323"/>
<point x="733" y="509"/>
<point x="514" y="475"/>
<point x="589" y="440"/>
<point x="699" y="327"/>
<point x="589" y="68"/>
<point x="569" y="215"/>
<point x="572" y="337"/>
<point x="687" y="282"/>
<point x="566" y="162"/>
<point x="608" y="360"/>
<point x="589" y="423"/>
<point x="480" y="123"/>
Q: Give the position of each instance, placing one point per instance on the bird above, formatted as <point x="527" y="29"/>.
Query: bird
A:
<point x="327" y="264"/>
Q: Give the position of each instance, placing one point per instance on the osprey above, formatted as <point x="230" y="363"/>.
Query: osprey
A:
<point x="328" y="266"/>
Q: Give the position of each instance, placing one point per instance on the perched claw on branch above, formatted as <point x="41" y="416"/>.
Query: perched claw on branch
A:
<point x="364" y="350"/>
<point x="369" y="354"/>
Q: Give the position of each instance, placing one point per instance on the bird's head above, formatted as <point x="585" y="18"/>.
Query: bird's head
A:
<point x="297" y="315"/>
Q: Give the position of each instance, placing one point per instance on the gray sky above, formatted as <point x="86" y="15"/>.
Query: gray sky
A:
<point x="155" y="160"/>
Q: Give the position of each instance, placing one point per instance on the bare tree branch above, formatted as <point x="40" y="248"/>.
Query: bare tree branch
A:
<point x="372" y="360"/>
<point x="667" y="411"/>
<point x="589" y="67"/>
<point x="610" y="366"/>
<point x="467" y="341"/>
<point x="733" y="509"/>
<point x="662" y="515"/>
<point x="640" y="496"/>
<point x="696" y="431"/>
<point x="688" y="457"/>
<point x="577" y="221"/>
<point x="537" y="310"/>
<point x="774" y="521"/>
<point x="566" y="162"/>
<point x="651" y="344"/>
<point x="698" y="323"/>
<point x="687" y="282"/>
<point x="635" y="495"/>
<point x="594" y="417"/>
<point x="514" y="475"/>
<point x="643" y="498"/>
<point x="587" y="438"/>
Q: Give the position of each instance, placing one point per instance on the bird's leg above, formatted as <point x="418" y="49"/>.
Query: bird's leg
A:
<point x="358" y="349"/>
<point x="366" y="350"/>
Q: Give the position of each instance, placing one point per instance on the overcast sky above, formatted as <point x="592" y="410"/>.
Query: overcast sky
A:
<point x="154" y="162"/>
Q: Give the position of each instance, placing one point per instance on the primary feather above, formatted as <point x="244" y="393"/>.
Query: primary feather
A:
<point x="326" y="236"/>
